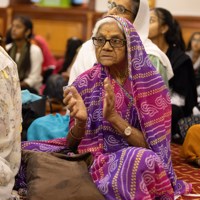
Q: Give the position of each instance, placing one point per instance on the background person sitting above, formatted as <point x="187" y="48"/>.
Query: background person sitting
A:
<point x="137" y="12"/>
<point x="166" y="34"/>
<point x="28" y="56"/>
<point x="193" y="50"/>
<point x="49" y="63"/>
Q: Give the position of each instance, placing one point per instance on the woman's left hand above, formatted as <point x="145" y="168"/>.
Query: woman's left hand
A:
<point x="109" y="111"/>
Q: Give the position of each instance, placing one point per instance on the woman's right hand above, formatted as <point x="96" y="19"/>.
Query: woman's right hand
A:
<point x="109" y="112"/>
<point x="75" y="104"/>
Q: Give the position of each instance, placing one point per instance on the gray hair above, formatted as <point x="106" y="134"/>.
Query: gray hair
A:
<point x="104" y="21"/>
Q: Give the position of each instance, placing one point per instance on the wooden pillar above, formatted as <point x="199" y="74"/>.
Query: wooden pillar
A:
<point x="91" y="4"/>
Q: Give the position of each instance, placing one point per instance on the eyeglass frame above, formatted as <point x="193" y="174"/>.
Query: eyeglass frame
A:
<point x="195" y="40"/>
<point x="106" y="40"/>
<point x="112" y="5"/>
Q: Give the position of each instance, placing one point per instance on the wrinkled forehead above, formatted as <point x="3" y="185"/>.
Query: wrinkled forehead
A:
<point x="106" y="20"/>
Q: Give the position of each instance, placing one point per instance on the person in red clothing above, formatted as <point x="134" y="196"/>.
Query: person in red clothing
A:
<point x="49" y="62"/>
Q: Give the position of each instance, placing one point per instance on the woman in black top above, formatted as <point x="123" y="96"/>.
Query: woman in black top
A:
<point x="166" y="33"/>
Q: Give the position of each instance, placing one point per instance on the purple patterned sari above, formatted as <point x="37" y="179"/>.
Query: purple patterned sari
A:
<point x="121" y="171"/>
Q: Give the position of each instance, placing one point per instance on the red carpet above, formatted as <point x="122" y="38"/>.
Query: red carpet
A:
<point x="185" y="171"/>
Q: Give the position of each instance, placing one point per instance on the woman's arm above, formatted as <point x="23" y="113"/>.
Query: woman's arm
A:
<point x="75" y="135"/>
<point x="136" y="137"/>
<point x="77" y="109"/>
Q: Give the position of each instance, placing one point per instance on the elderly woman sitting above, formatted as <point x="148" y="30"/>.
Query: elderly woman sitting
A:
<point x="122" y="114"/>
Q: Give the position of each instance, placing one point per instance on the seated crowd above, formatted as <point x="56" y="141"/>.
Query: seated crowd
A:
<point x="126" y="94"/>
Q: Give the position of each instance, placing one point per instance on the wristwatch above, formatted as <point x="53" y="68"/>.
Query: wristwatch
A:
<point x="128" y="131"/>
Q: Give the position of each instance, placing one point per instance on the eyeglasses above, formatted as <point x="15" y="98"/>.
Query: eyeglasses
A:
<point x="195" y="40"/>
<point x="119" y="8"/>
<point x="114" y="42"/>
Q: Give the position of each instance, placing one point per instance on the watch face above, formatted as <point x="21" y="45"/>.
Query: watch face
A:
<point x="127" y="131"/>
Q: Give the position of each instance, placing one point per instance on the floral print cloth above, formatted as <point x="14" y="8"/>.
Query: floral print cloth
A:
<point x="10" y="124"/>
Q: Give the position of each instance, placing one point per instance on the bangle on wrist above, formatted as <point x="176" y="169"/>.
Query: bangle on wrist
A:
<point x="80" y="124"/>
<point x="73" y="136"/>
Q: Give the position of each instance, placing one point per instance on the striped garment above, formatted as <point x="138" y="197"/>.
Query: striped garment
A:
<point x="121" y="171"/>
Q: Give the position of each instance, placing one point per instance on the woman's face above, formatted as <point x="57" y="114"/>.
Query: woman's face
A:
<point x="195" y="43"/>
<point x="154" y="26"/>
<point x="127" y="4"/>
<point x="106" y="54"/>
<point x="18" y="30"/>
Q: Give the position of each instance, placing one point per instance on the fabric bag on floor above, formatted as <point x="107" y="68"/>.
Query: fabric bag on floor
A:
<point x="58" y="176"/>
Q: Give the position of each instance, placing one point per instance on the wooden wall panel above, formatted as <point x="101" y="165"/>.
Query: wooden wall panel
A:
<point x="56" y="33"/>
<point x="5" y="19"/>
<point x="189" y="25"/>
<point x="1" y="26"/>
<point x="59" y="24"/>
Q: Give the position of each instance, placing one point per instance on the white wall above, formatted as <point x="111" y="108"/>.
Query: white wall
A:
<point x="4" y="3"/>
<point x="101" y="5"/>
<point x="181" y="7"/>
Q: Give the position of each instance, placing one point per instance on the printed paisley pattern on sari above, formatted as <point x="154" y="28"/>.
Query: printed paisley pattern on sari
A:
<point x="121" y="171"/>
<point x="144" y="102"/>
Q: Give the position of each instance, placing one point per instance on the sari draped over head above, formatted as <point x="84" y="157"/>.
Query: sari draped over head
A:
<point x="141" y="24"/>
<point x="144" y="102"/>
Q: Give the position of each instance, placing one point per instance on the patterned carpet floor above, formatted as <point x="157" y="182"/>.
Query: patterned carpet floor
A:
<point x="186" y="172"/>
